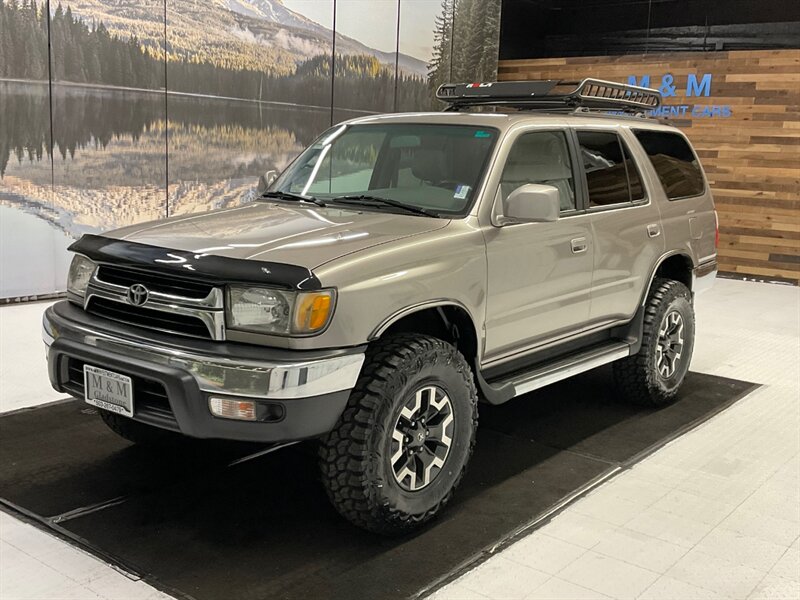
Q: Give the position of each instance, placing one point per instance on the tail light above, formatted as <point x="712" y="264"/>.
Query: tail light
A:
<point x="716" y="232"/>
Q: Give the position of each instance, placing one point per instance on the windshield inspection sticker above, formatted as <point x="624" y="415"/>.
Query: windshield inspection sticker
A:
<point x="461" y="192"/>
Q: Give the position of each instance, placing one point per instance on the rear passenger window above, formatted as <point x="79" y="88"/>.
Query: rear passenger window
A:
<point x="674" y="162"/>
<point x="611" y="175"/>
<point x="634" y="179"/>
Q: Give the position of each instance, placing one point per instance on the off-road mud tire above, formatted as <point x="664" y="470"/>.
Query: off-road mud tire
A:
<point x="637" y="377"/>
<point x="355" y="457"/>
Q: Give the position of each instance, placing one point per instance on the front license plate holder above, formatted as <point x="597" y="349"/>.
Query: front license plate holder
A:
<point x="108" y="390"/>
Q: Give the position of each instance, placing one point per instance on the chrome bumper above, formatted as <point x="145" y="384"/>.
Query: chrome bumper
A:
<point x="272" y="380"/>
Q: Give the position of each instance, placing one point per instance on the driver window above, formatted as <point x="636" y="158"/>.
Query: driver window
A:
<point x="540" y="157"/>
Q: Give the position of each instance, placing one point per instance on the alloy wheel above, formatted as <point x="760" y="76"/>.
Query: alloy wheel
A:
<point x="670" y="344"/>
<point x="422" y="437"/>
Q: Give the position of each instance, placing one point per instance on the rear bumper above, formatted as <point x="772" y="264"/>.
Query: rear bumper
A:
<point x="176" y="377"/>
<point x="703" y="276"/>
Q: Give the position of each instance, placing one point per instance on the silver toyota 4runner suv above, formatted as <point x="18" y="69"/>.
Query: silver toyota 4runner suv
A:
<point x="403" y="268"/>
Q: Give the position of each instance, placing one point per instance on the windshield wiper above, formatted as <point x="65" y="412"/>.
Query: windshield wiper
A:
<point x="294" y="197"/>
<point x="367" y="200"/>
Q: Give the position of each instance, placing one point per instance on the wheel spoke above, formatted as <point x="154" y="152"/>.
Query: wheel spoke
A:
<point x="435" y="463"/>
<point x="399" y="437"/>
<point x="406" y="472"/>
<point x="409" y="412"/>
<point x="444" y="438"/>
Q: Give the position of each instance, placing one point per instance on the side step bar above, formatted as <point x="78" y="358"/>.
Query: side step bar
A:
<point x="564" y="368"/>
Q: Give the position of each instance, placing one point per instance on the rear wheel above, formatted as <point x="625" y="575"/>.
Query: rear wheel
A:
<point x="402" y="444"/>
<point x="653" y="376"/>
<point x="138" y="433"/>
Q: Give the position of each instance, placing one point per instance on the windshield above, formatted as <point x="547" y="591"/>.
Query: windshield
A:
<point x="436" y="168"/>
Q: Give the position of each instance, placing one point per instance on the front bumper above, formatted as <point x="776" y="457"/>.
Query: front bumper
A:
<point x="177" y="375"/>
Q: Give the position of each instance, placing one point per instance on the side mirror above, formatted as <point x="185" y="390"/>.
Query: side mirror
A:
<point x="266" y="180"/>
<point x="532" y="203"/>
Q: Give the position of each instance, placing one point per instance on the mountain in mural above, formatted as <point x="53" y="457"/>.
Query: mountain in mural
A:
<point x="262" y="35"/>
<point x="275" y="11"/>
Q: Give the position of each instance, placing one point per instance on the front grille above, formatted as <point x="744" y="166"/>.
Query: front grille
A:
<point x="150" y="401"/>
<point x="145" y="317"/>
<point x="155" y="282"/>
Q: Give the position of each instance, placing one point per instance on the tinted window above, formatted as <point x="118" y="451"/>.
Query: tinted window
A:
<point x="541" y="157"/>
<point x="634" y="179"/>
<point x="674" y="162"/>
<point x="607" y="167"/>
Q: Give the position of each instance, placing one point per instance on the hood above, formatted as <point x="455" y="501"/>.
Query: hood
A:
<point x="279" y="232"/>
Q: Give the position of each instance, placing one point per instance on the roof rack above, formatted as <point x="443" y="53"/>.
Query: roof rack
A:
<point x="539" y="95"/>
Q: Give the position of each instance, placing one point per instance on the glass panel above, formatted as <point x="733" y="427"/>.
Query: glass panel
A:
<point x="245" y="97"/>
<point x="349" y="165"/>
<point x="34" y="232"/>
<point x="436" y="167"/>
<point x="109" y="119"/>
<point x="674" y="162"/>
<point x="634" y="178"/>
<point x="543" y="158"/>
<point x="366" y="58"/>
<point x="605" y="168"/>
<point x="424" y="25"/>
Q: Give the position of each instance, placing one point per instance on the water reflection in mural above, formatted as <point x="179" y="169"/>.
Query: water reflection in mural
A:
<point x="110" y="149"/>
<point x="218" y="148"/>
<point x="30" y="249"/>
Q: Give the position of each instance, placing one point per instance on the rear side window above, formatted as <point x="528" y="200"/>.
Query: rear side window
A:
<point x="611" y="175"/>
<point x="674" y="162"/>
<point x="634" y="179"/>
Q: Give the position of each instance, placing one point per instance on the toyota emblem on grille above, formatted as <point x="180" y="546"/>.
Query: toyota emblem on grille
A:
<point x="138" y="294"/>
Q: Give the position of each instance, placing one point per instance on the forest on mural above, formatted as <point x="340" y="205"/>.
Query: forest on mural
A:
<point x="466" y="42"/>
<point x="23" y="43"/>
<point x="87" y="53"/>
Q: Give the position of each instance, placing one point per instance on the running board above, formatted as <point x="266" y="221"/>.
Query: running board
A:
<point x="564" y="368"/>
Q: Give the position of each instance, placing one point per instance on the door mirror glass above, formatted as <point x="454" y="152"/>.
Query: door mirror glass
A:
<point x="532" y="203"/>
<point x="265" y="181"/>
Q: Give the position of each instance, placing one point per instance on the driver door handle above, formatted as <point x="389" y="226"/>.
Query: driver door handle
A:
<point x="579" y="245"/>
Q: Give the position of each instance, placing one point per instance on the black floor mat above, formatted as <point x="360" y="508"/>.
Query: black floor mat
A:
<point x="191" y="524"/>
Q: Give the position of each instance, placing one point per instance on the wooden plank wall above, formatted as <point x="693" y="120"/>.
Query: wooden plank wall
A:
<point x="752" y="158"/>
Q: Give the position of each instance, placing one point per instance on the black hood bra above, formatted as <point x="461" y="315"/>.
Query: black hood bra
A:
<point x="192" y="265"/>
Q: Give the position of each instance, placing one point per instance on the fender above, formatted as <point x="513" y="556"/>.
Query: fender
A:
<point x="658" y="263"/>
<point x="419" y="306"/>
<point x="490" y="393"/>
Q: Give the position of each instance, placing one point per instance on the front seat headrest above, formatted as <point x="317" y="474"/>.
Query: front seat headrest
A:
<point x="429" y="165"/>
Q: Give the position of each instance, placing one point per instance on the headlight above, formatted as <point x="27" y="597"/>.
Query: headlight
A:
<point x="80" y="271"/>
<point x="281" y="312"/>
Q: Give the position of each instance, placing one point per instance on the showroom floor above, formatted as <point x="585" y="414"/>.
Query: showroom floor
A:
<point x="714" y="514"/>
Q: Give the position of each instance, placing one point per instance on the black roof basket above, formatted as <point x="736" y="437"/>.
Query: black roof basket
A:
<point x="551" y="95"/>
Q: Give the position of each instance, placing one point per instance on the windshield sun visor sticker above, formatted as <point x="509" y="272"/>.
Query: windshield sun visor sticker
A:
<point x="461" y="192"/>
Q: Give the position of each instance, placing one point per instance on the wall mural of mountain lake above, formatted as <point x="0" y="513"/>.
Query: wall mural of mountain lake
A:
<point x="146" y="125"/>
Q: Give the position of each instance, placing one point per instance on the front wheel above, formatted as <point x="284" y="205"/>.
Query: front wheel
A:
<point x="653" y="376"/>
<point x="402" y="444"/>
